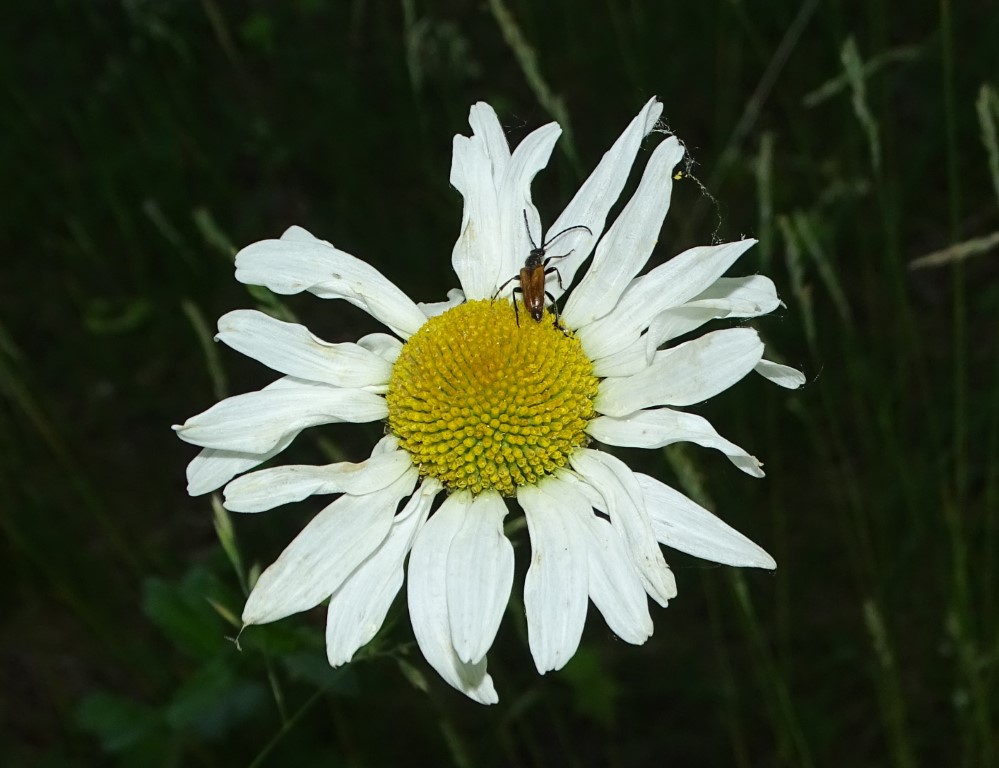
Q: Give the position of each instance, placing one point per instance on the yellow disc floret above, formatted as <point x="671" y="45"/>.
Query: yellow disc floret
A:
<point x="482" y="403"/>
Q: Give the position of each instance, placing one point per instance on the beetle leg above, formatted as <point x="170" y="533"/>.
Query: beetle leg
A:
<point x="516" y="312"/>
<point x="557" y="274"/>
<point x="554" y="309"/>
<point x="548" y="260"/>
<point x="515" y="277"/>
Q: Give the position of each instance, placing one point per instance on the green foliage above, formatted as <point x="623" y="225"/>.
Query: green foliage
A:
<point x="120" y="724"/>
<point x="183" y="614"/>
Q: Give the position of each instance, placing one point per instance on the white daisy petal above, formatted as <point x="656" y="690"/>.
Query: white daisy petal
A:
<point x="686" y="374"/>
<point x="624" y="362"/>
<point x="614" y="585"/>
<point x="668" y="285"/>
<point x="486" y="127"/>
<point x="479" y="577"/>
<point x="625" y="505"/>
<point x="476" y="257"/>
<point x="255" y="422"/>
<point x="681" y="524"/>
<point x="269" y="488"/>
<point x="212" y="468"/>
<point x="293" y="382"/>
<point x="298" y="234"/>
<point x="432" y="309"/>
<point x="514" y="197"/>
<point x="388" y="444"/>
<point x="328" y="549"/>
<point x="726" y="297"/>
<point x="291" y="349"/>
<point x="357" y="610"/>
<point x="428" y="612"/>
<point x="747" y="296"/>
<point x="613" y="582"/>
<point x="584" y="489"/>
<point x="625" y="249"/>
<point x="555" y="589"/>
<point x="385" y="346"/>
<point x="599" y="192"/>
<point x="663" y="426"/>
<point x="293" y="265"/>
<point x="781" y="375"/>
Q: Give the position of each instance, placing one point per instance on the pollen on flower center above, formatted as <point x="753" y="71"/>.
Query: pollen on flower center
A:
<point x="482" y="403"/>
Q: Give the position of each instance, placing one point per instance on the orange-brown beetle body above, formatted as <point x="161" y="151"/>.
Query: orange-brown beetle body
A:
<point x="533" y="274"/>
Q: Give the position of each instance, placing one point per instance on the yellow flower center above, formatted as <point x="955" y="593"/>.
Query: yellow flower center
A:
<point x="481" y="403"/>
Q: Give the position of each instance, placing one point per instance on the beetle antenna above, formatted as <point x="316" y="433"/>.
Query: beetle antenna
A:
<point x="528" y="227"/>
<point x="553" y="238"/>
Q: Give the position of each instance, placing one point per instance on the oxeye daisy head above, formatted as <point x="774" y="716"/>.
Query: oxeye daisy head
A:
<point x="491" y="401"/>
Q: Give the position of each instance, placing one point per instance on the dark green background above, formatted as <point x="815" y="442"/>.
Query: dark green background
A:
<point x="144" y="141"/>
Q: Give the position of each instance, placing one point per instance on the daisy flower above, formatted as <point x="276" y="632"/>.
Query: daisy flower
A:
<point x="486" y="405"/>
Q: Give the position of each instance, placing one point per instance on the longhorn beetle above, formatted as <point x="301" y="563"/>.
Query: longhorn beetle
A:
<point x="533" y="274"/>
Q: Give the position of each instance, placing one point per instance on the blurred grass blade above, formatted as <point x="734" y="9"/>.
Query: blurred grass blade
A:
<point x="252" y="575"/>
<point x="527" y="59"/>
<point x="154" y="212"/>
<point x="227" y="538"/>
<point x="413" y="31"/>
<point x="810" y="240"/>
<point x="973" y="691"/>
<point x="691" y="479"/>
<point x="212" y="233"/>
<point x="958" y="252"/>
<point x="788" y="729"/>
<point x="855" y="75"/>
<point x="455" y="741"/>
<point x="224" y="37"/>
<point x="801" y="290"/>
<point x="216" y="371"/>
<point x="286" y="726"/>
<point x="889" y="690"/>
<point x="830" y="88"/>
<point x="763" y="168"/>
<point x="754" y="104"/>
<point x="987" y="108"/>
<point x="231" y="618"/>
